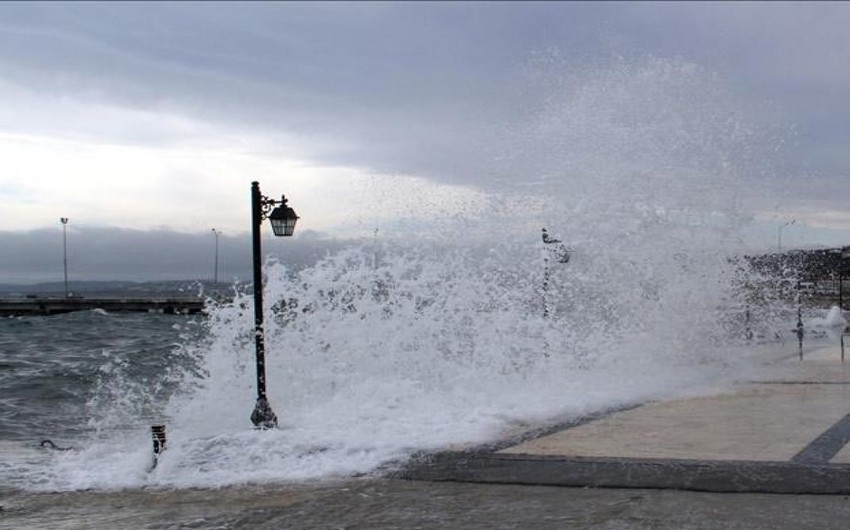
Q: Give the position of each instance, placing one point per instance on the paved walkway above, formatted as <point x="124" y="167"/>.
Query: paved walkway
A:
<point x="784" y="433"/>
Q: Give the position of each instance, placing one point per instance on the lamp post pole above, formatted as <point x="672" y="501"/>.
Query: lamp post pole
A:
<point x="843" y="266"/>
<point x="283" y="221"/>
<point x="262" y="416"/>
<point x="64" y="221"/>
<point x="215" y="268"/>
<point x="561" y="253"/>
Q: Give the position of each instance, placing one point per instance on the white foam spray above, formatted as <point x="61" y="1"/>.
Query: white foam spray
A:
<point x="420" y="340"/>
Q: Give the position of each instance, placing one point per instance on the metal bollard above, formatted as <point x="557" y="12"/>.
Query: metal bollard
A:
<point x="158" y="435"/>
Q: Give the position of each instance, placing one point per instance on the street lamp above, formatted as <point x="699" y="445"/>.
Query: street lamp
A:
<point x="560" y="253"/>
<point x="64" y="221"/>
<point x="283" y="219"/>
<point x="215" y="269"/>
<point x="779" y="233"/>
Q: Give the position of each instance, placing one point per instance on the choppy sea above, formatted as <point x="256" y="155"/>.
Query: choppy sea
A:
<point x="52" y="366"/>
<point x="58" y="376"/>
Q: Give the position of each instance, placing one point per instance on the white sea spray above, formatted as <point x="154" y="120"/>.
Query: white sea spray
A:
<point x="424" y="338"/>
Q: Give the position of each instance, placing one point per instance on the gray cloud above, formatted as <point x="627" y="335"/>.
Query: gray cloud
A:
<point x="432" y="89"/>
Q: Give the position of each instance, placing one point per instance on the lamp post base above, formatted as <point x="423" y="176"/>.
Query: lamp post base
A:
<point x="263" y="417"/>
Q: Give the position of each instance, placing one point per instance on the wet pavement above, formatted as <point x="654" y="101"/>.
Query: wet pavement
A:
<point x="376" y="504"/>
<point x="785" y="432"/>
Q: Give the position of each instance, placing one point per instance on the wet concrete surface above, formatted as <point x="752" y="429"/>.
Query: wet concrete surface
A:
<point x="784" y="433"/>
<point x="392" y="503"/>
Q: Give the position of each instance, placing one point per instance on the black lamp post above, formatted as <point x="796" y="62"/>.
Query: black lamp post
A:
<point x="283" y="219"/>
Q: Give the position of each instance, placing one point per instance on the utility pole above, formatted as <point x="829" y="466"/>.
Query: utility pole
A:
<point x="779" y="233"/>
<point x="215" y="269"/>
<point x="64" y="221"/>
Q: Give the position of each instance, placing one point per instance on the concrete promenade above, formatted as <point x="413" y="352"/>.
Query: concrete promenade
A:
<point x="786" y="432"/>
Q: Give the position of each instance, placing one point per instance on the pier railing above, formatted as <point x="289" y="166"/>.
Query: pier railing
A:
<point x="36" y="306"/>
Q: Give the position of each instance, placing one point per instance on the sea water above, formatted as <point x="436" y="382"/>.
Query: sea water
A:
<point x="449" y="332"/>
<point x="59" y="372"/>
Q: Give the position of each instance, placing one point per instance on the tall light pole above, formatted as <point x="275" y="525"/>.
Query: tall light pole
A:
<point x="215" y="269"/>
<point x="779" y="233"/>
<point x="64" y="221"/>
<point x="283" y="219"/>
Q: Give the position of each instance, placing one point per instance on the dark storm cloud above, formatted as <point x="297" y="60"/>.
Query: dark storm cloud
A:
<point x="388" y="87"/>
<point x="431" y="89"/>
<point x="346" y="78"/>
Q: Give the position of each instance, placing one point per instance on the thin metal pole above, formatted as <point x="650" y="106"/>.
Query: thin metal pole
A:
<point x="546" y="241"/>
<point x="549" y="250"/>
<point x="64" y="221"/>
<point x="215" y="269"/>
<point x="262" y="417"/>
<point x="779" y="233"/>
<point x="545" y="285"/>
<point x="841" y="303"/>
<point x="800" y="331"/>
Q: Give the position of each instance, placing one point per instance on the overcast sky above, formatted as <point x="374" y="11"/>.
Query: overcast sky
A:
<point x="157" y="116"/>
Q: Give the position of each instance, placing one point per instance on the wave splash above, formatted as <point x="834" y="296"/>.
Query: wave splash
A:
<point x="425" y="340"/>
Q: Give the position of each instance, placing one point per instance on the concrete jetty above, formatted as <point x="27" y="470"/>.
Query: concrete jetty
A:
<point x="786" y="432"/>
<point x="35" y="306"/>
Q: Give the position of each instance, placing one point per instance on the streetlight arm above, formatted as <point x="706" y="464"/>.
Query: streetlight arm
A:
<point x="266" y="205"/>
